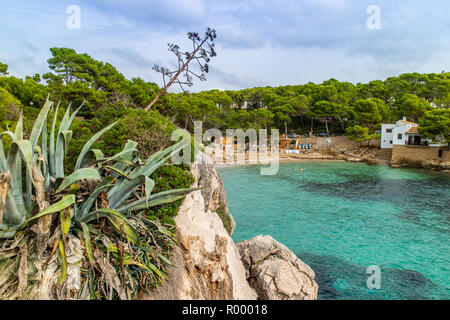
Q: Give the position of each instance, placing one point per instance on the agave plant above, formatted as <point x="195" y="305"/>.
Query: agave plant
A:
<point x="116" y="190"/>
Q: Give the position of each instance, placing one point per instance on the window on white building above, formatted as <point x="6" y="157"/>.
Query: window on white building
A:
<point x="400" y="136"/>
<point x="388" y="130"/>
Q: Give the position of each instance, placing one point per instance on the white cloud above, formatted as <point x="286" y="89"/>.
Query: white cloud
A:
<point x="260" y="42"/>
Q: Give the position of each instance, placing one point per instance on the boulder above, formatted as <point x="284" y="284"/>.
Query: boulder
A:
<point x="206" y="263"/>
<point x="445" y="165"/>
<point x="275" y="272"/>
<point x="430" y="164"/>
<point x="233" y="224"/>
<point x="207" y="178"/>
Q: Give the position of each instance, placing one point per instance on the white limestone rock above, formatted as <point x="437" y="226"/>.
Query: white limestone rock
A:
<point x="275" y="272"/>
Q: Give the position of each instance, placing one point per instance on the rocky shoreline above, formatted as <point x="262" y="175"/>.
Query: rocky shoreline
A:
<point x="207" y="264"/>
<point x="340" y="148"/>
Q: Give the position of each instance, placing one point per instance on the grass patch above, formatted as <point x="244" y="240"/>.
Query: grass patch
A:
<point x="225" y="217"/>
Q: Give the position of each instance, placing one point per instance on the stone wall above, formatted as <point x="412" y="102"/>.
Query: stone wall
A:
<point x="418" y="154"/>
<point x="446" y="155"/>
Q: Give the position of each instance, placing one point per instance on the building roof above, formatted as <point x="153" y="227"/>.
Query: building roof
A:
<point x="406" y="121"/>
<point x="412" y="130"/>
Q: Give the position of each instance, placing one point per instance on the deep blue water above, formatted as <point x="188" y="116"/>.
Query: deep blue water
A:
<point x="341" y="218"/>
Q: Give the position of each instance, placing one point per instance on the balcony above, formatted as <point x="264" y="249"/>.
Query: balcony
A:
<point x="417" y="143"/>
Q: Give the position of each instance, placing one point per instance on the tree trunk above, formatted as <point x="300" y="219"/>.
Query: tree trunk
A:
<point x="4" y="187"/>
<point x="285" y="129"/>
<point x="342" y="124"/>
<point x="175" y="76"/>
<point x="312" y="125"/>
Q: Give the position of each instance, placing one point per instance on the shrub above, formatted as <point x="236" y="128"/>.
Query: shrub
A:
<point x="149" y="129"/>
<point x="167" y="178"/>
<point x="225" y="217"/>
<point x="103" y="203"/>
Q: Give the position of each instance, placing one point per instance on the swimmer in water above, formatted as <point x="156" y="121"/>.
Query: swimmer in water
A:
<point x="301" y="169"/>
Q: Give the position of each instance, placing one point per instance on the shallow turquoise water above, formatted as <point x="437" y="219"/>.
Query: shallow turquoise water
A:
<point x="341" y="217"/>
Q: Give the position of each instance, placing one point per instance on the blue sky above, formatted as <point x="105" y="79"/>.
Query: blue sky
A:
<point x="259" y="42"/>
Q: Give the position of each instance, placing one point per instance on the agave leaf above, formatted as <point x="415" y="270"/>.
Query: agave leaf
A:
<point x="89" y="144"/>
<point x="59" y="206"/>
<point x="3" y="163"/>
<point x="22" y="148"/>
<point x="19" y="127"/>
<point x="44" y="152"/>
<point x="92" y="156"/>
<point x="62" y="144"/>
<point x="14" y="213"/>
<point x="119" y="221"/>
<point x="19" y="150"/>
<point x="128" y="157"/>
<point x="72" y="117"/>
<point x="39" y="124"/>
<point x="126" y="189"/>
<point x="160" y="227"/>
<point x="87" y="242"/>
<point x="64" y="125"/>
<point x="51" y="149"/>
<point x="111" y="212"/>
<point x="118" y="155"/>
<point x="80" y="174"/>
<point x="156" y="199"/>
<point x="130" y="232"/>
<point x="149" y="185"/>
<point x="156" y="160"/>
<point x="144" y="204"/>
<point x="118" y="171"/>
<point x="65" y="220"/>
<point x="62" y="262"/>
<point x="87" y="204"/>
<point x="128" y="261"/>
<point x="155" y="269"/>
<point x="15" y="210"/>
<point x="164" y="259"/>
<point x="151" y="164"/>
<point x="28" y="192"/>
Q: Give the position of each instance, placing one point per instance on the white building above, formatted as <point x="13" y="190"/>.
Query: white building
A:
<point x="403" y="132"/>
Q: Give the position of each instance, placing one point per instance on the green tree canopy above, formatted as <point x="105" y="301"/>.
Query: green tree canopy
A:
<point x="367" y="112"/>
<point x="412" y="107"/>
<point x="3" y="69"/>
<point x="435" y="125"/>
<point x="263" y="118"/>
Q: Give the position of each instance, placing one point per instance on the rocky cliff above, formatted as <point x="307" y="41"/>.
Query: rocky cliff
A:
<point x="209" y="265"/>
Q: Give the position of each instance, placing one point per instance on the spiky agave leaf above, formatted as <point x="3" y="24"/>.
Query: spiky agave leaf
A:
<point x="87" y="204"/>
<point x="62" y="141"/>
<point x="80" y="174"/>
<point x="89" y="144"/>
<point x="156" y="199"/>
<point x="151" y="164"/>
<point x="65" y="202"/>
<point x="119" y="221"/>
<point x="122" y="193"/>
<point x="51" y="147"/>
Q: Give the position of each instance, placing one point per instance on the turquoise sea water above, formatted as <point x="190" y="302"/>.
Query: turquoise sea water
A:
<point x="341" y="218"/>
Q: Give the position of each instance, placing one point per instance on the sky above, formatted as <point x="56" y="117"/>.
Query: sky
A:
<point x="259" y="42"/>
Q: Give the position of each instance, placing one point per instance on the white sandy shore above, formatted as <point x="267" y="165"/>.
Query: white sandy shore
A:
<point x="280" y="160"/>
